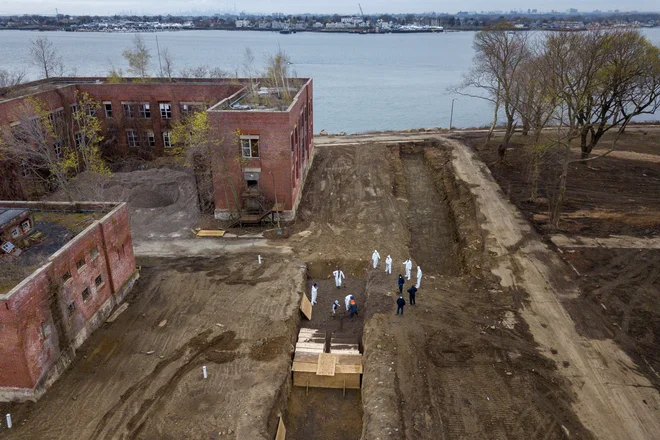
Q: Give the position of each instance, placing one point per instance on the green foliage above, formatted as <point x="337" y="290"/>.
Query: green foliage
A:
<point x="138" y="57"/>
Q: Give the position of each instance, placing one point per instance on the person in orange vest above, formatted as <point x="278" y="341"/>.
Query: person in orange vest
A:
<point x="353" y="308"/>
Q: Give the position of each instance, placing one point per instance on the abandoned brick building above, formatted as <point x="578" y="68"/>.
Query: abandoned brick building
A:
<point x="48" y="313"/>
<point x="264" y="140"/>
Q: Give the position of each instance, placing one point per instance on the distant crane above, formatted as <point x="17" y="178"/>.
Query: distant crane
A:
<point x="362" y="13"/>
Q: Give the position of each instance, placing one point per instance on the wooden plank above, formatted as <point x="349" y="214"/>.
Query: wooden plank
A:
<point x="311" y="331"/>
<point x="348" y="369"/>
<point x="281" y="430"/>
<point x="326" y="365"/>
<point x="310" y="358"/>
<point x="304" y="367"/>
<point x="304" y="346"/>
<point x="210" y="233"/>
<point x="302" y="379"/>
<point x="306" y="307"/>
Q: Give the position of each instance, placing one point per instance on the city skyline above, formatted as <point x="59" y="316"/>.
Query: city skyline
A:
<point x="342" y="7"/>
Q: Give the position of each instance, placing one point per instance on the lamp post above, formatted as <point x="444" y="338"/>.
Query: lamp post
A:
<point x="276" y="204"/>
<point x="451" y="117"/>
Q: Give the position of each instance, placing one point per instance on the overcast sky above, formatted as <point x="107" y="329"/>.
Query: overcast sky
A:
<point x="106" y="7"/>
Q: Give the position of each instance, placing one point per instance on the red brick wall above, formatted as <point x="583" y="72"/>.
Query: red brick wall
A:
<point x="275" y="131"/>
<point x="25" y="353"/>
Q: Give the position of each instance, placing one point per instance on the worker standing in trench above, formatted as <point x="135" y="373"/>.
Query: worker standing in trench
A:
<point x="315" y="292"/>
<point x="375" y="257"/>
<point x="339" y="275"/>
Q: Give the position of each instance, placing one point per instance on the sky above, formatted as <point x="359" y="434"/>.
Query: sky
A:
<point x="347" y="7"/>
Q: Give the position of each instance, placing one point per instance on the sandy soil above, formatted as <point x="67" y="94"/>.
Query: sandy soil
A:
<point x="141" y="376"/>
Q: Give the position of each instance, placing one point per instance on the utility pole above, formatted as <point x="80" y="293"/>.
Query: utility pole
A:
<point x="159" y="61"/>
<point x="451" y="117"/>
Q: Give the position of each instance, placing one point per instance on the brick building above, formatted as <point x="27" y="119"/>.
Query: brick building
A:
<point x="15" y="224"/>
<point x="49" y="314"/>
<point x="269" y="136"/>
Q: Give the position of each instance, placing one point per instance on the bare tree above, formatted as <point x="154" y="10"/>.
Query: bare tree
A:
<point x="35" y="143"/>
<point x="45" y="56"/>
<point x="12" y="78"/>
<point x="498" y="55"/>
<point x="168" y="63"/>
<point x="138" y="57"/>
<point x="278" y="74"/>
<point x="202" y="71"/>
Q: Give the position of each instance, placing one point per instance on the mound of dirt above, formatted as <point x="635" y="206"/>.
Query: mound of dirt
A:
<point x="162" y="201"/>
<point x="149" y="199"/>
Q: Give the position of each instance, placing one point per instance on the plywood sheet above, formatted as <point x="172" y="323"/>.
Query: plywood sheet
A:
<point x="326" y="365"/>
<point x="304" y="367"/>
<point x="281" y="430"/>
<point x="210" y="233"/>
<point x="350" y="381"/>
<point x="306" y="307"/>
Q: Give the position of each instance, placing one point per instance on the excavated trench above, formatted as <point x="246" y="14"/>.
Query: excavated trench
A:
<point x="436" y="244"/>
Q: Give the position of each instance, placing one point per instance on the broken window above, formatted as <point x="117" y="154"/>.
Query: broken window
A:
<point x="250" y="146"/>
<point x="98" y="281"/>
<point x="71" y="308"/>
<point x="132" y="138"/>
<point x="107" y="105"/>
<point x="57" y="147"/>
<point x="165" y="110"/>
<point x="66" y="276"/>
<point x="145" y="110"/>
<point x="74" y="109"/>
<point x="16" y="232"/>
<point x="151" y="139"/>
<point x="94" y="253"/>
<point x="167" y="142"/>
<point x="91" y="111"/>
<point x="80" y="263"/>
<point x="85" y="294"/>
<point x="128" y="109"/>
<point x="26" y="226"/>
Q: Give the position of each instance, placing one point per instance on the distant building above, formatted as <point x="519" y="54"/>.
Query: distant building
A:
<point x="242" y="23"/>
<point x="45" y="317"/>
<point x="269" y="130"/>
<point x="15" y="224"/>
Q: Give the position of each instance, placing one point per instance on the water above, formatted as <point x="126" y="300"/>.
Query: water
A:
<point x="361" y="82"/>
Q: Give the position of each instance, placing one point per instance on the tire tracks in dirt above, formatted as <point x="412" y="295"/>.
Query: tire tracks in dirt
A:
<point x="193" y="350"/>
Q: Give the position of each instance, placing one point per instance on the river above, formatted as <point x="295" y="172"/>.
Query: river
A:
<point x="361" y="82"/>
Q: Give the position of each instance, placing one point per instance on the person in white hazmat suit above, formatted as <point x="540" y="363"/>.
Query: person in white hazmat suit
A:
<point x="339" y="275"/>
<point x="408" y="265"/>
<point x="419" y="277"/>
<point x="315" y="292"/>
<point x="374" y="258"/>
<point x="388" y="265"/>
<point x="347" y="301"/>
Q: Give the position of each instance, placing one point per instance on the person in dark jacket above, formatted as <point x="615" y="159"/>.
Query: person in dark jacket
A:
<point x="401" y="282"/>
<point x="400" y="303"/>
<point x="353" y="309"/>
<point x="411" y="292"/>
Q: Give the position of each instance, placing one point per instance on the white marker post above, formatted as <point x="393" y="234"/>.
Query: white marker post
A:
<point x="8" y="421"/>
<point x="204" y="371"/>
<point x="259" y="256"/>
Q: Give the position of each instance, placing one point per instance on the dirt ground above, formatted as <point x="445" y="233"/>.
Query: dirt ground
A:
<point x="162" y="202"/>
<point x="617" y="196"/>
<point x="140" y="377"/>
<point x="459" y="363"/>
<point x="505" y="341"/>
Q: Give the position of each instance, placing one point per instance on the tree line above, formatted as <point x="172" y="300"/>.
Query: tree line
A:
<point x="564" y="89"/>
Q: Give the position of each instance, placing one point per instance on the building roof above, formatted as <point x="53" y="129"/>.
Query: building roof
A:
<point x="9" y="214"/>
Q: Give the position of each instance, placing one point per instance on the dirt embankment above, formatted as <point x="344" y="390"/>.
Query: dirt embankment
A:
<point x="459" y="363"/>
